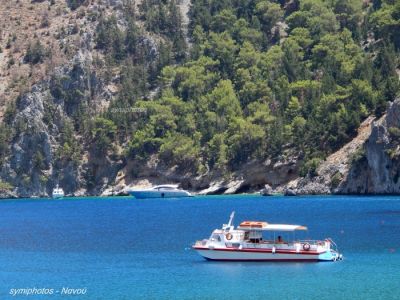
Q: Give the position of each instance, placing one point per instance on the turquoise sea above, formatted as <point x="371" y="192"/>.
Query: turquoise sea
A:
<point x="122" y="248"/>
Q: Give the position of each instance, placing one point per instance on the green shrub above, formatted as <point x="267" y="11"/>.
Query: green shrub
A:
<point x="336" y="179"/>
<point x="43" y="179"/>
<point x="5" y="135"/>
<point x="394" y="134"/>
<point x="35" y="53"/>
<point x="5" y="186"/>
<point x="26" y="180"/>
<point x="310" y="167"/>
<point x="358" y="156"/>
<point x="102" y="134"/>
<point x="391" y="152"/>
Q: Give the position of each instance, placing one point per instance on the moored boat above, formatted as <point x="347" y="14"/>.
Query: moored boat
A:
<point x="160" y="191"/>
<point x="246" y="243"/>
<point x="58" y="192"/>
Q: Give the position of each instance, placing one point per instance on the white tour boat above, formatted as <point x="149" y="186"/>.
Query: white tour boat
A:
<point x="160" y="191"/>
<point x="58" y="192"/>
<point x="246" y="243"/>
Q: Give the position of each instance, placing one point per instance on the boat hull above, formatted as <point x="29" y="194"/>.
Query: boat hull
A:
<point x="159" y="194"/>
<point x="56" y="196"/>
<point x="262" y="255"/>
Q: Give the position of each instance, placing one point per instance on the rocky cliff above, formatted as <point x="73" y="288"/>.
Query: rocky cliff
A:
<point x="41" y="116"/>
<point x="231" y="101"/>
<point x="369" y="164"/>
<point x="376" y="170"/>
<point x="44" y="148"/>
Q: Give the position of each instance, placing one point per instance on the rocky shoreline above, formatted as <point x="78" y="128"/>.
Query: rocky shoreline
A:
<point x="368" y="164"/>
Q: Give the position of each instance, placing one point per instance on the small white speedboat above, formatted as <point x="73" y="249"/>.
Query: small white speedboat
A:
<point x="58" y="192"/>
<point x="246" y="243"/>
<point x="160" y="191"/>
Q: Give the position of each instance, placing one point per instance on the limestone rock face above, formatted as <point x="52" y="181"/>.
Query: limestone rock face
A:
<point x="377" y="171"/>
<point x="289" y="192"/>
<point x="7" y="195"/>
<point x="333" y="172"/>
<point x="31" y="167"/>
<point x="33" y="143"/>
<point x="70" y="83"/>
<point x="369" y="164"/>
<point x="267" y="190"/>
<point x="249" y="178"/>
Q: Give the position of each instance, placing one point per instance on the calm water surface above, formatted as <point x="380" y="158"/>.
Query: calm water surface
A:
<point x="121" y="248"/>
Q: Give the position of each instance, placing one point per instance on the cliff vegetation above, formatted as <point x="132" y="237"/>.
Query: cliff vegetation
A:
<point x="215" y="92"/>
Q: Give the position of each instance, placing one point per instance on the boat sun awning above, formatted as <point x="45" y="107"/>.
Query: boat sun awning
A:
<point x="264" y="226"/>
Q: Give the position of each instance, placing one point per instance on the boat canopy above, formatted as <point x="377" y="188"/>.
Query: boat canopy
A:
<point x="255" y="225"/>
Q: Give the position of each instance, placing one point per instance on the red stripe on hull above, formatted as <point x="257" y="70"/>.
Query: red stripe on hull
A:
<point x="255" y="260"/>
<point x="277" y="251"/>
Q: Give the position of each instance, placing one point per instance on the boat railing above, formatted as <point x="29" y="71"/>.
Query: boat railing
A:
<point x="314" y="244"/>
<point x="334" y="246"/>
<point x="311" y="242"/>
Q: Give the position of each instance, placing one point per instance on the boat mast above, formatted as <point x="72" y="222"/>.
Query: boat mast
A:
<point x="231" y="219"/>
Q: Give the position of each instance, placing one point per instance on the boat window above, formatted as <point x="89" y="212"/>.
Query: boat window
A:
<point x="166" y="188"/>
<point x="216" y="237"/>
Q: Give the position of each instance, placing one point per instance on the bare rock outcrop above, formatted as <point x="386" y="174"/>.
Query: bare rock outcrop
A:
<point x="369" y="164"/>
<point x="250" y="177"/>
<point x="332" y="174"/>
<point x="377" y="170"/>
<point x="267" y="190"/>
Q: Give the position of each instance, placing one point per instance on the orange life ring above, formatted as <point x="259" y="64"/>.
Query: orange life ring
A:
<point x="306" y="246"/>
<point x="228" y="236"/>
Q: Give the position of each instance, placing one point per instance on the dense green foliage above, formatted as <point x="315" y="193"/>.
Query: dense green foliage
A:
<point x="262" y="76"/>
<point x="69" y="150"/>
<point x="4" y="141"/>
<point x="254" y="79"/>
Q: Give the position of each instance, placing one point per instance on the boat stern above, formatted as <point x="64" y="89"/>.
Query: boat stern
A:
<point x="330" y="255"/>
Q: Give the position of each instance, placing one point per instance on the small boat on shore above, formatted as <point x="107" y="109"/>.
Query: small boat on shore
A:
<point x="246" y="243"/>
<point x="57" y="192"/>
<point x="160" y="191"/>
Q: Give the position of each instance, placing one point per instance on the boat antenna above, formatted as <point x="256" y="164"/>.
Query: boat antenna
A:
<point x="231" y="219"/>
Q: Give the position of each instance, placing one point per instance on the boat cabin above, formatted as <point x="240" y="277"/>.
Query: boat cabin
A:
<point x="252" y="232"/>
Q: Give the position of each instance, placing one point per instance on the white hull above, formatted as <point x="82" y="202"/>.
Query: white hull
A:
<point x="57" y="192"/>
<point x="246" y="243"/>
<point x="249" y="255"/>
<point x="159" y="194"/>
